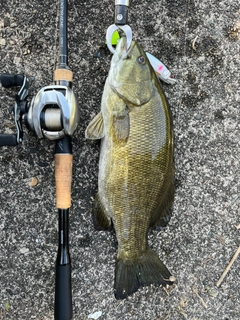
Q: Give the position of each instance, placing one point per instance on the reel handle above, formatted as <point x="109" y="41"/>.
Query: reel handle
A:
<point x="20" y="106"/>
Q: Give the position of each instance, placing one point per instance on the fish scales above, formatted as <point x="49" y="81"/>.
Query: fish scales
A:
<point x="136" y="166"/>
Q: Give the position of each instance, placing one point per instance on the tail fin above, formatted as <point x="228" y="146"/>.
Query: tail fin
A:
<point x="143" y="271"/>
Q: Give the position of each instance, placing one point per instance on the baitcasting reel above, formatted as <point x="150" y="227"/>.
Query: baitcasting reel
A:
<point x="52" y="113"/>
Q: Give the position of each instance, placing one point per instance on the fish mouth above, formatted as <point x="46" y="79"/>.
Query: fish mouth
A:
<point x="122" y="51"/>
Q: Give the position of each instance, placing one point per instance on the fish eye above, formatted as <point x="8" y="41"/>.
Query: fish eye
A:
<point x="141" y="60"/>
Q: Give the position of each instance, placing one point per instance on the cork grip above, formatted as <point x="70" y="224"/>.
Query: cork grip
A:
<point x="63" y="74"/>
<point x="63" y="179"/>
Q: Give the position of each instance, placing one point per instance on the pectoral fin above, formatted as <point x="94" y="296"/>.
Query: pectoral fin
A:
<point x="121" y="126"/>
<point x="95" y="129"/>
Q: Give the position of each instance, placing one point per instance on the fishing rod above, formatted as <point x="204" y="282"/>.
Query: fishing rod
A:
<point x="63" y="179"/>
<point x="52" y="114"/>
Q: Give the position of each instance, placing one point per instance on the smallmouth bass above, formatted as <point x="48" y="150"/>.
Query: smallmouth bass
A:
<point x="136" y="166"/>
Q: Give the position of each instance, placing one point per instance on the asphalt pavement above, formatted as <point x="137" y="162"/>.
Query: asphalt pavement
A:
<point x="199" y="41"/>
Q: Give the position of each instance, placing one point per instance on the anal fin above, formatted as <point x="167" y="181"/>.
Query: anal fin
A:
<point x="100" y="220"/>
<point x="163" y="213"/>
